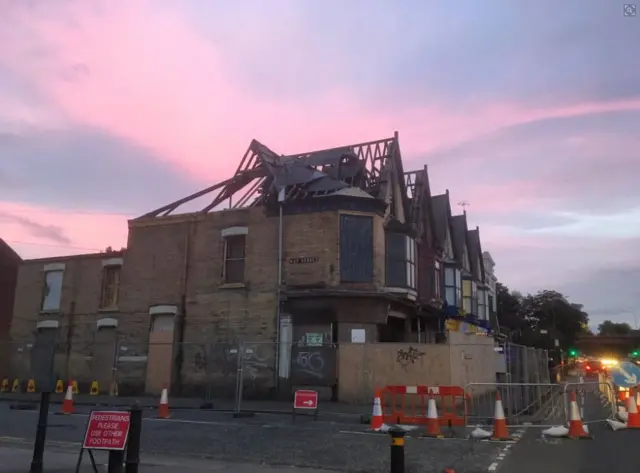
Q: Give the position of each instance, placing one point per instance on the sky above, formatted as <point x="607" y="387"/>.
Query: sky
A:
<point x="528" y="111"/>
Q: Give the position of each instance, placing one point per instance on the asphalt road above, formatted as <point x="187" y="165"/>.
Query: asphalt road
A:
<point x="271" y="440"/>
<point x="608" y="451"/>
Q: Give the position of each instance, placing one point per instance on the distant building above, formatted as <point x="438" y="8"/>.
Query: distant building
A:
<point x="9" y="264"/>
<point x="491" y="280"/>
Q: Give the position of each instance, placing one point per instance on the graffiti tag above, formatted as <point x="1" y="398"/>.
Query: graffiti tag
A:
<point x="311" y="363"/>
<point x="200" y="362"/>
<point x="406" y="357"/>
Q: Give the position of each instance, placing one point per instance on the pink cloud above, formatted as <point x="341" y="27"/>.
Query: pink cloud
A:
<point x="152" y="79"/>
<point x="87" y="232"/>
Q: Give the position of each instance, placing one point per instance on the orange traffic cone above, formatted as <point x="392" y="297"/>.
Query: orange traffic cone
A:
<point x="500" y="431"/>
<point x="576" y="427"/>
<point x="433" y="426"/>
<point x="376" y="417"/>
<point x="633" y="421"/>
<point x="67" y="404"/>
<point x="163" y="408"/>
<point x="638" y="396"/>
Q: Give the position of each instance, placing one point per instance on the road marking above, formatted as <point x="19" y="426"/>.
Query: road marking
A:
<point x="517" y="436"/>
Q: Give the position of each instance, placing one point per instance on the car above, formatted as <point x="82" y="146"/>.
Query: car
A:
<point x="594" y="367"/>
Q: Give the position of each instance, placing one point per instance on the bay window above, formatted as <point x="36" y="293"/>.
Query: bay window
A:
<point x="467" y="296"/>
<point x="401" y="262"/>
<point x="482" y="304"/>
<point x="452" y="286"/>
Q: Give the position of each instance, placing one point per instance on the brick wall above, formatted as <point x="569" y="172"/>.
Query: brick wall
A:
<point x="77" y="317"/>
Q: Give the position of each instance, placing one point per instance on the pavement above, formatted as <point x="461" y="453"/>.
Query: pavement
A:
<point x="273" y="440"/>
<point x="15" y="457"/>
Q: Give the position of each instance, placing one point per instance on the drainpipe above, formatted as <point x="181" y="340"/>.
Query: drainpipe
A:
<point x="281" y="197"/>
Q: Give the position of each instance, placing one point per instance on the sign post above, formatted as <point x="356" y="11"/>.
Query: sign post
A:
<point x="106" y="430"/>
<point x="43" y="354"/>
<point x="305" y="400"/>
<point x="625" y="374"/>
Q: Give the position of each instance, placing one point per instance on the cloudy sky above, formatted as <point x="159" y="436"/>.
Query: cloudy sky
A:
<point x="530" y="111"/>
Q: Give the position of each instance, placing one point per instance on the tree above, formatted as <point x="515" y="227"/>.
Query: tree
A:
<point x="609" y="328"/>
<point x="550" y="316"/>
<point x="539" y="319"/>
<point x="509" y="307"/>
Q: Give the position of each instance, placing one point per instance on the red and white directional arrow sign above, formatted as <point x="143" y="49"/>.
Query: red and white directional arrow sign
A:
<point x="305" y="399"/>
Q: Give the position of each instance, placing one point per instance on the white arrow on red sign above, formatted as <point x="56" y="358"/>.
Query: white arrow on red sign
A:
<point x="308" y="403"/>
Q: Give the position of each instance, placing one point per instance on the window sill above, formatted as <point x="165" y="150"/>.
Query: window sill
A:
<point x="233" y="285"/>
<point x="49" y="311"/>
<point x="108" y="309"/>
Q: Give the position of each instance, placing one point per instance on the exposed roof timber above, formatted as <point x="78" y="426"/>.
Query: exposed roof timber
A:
<point x="316" y="173"/>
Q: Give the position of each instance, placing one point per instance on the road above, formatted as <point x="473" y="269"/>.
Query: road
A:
<point x="339" y="445"/>
<point x="608" y="451"/>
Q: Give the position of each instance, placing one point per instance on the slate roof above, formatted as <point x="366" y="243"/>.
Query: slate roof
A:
<point x="459" y="236"/>
<point x="441" y="214"/>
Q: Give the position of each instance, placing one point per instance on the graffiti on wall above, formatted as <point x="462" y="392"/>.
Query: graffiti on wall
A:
<point x="408" y="357"/>
<point x="313" y="365"/>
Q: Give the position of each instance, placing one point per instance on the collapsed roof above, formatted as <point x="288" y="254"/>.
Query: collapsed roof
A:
<point x="363" y="170"/>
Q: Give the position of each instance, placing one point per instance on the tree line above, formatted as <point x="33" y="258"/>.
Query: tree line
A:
<point x="538" y="320"/>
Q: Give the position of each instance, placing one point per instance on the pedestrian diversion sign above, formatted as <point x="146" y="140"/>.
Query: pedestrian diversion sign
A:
<point x="107" y="430"/>
<point x="625" y="374"/>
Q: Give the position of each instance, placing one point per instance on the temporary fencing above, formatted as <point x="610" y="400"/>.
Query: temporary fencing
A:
<point x="408" y="405"/>
<point x="544" y="404"/>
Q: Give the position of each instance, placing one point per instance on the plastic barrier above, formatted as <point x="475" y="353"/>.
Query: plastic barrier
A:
<point x="408" y="404"/>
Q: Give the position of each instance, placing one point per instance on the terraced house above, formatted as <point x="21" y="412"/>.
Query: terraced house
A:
<point x="313" y="250"/>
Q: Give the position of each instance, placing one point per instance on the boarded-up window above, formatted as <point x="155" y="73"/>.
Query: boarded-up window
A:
<point x="356" y="248"/>
<point x="396" y="268"/>
<point x="110" y="287"/>
<point x="52" y="290"/>
<point x="234" y="258"/>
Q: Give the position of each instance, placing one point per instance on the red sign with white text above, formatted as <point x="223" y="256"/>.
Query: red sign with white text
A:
<point x="107" y="430"/>
<point x="305" y="399"/>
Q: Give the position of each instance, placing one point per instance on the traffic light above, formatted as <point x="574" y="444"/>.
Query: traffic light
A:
<point x="573" y="352"/>
<point x="635" y="353"/>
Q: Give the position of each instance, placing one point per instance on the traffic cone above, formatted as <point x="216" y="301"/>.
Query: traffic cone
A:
<point x="638" y="396"/>
<point x="67" y="404"/>
<point x="163" y="408"/>
<point x="500" y="431"/>
<point x="576" y="427"/>
<point x="376" y="417"/>
<point x="633" y="419"/>
<point x="433" y="425"/>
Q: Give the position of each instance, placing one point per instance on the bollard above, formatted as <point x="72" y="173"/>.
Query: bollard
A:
<point x="397" y="450"/>
<point x="133" y="442"/>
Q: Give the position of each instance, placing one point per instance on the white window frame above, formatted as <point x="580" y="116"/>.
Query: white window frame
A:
<point x="52" y="305"/>
<point x="226" y="259"/>
<point x="411" y="262"/>
<point x="437" y="280"/>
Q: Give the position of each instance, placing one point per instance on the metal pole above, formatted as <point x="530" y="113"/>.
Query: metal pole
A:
<point x="41" y="434"/>
<point x="133" y="442"/>
<point x="279" y="288"/>
<point x="115" y="461"/>
<point x="397" y="451"/>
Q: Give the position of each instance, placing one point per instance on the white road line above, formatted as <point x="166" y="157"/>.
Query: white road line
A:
<point x="517" y="436"/>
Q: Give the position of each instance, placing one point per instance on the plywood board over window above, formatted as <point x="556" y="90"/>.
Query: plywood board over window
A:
<point x="110" y="287"/>
<point x="52" y="290"/>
